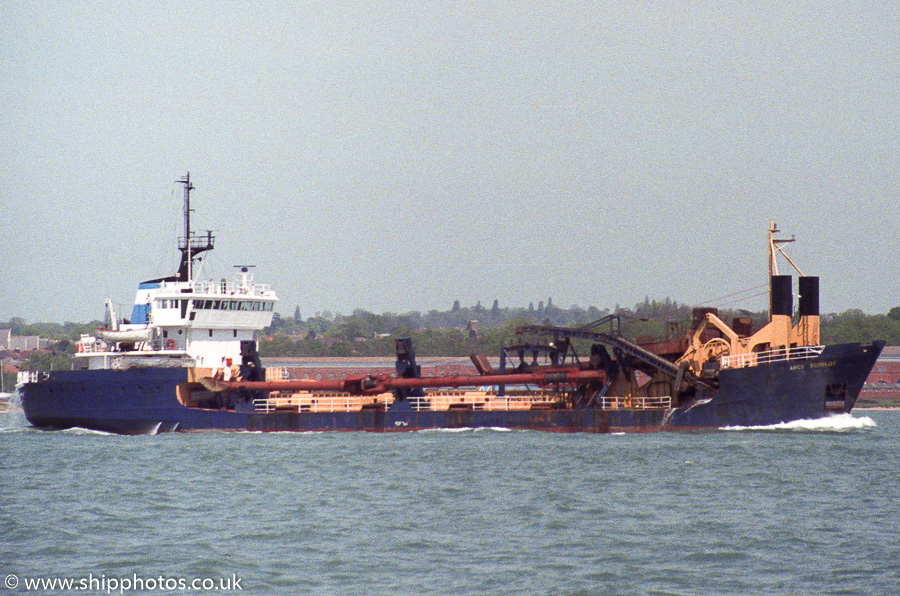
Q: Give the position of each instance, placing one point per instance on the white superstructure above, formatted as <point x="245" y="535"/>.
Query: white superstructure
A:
<point x="179" y="321"/>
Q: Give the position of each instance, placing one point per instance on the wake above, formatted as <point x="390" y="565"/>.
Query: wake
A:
<point x="837" y="423"/>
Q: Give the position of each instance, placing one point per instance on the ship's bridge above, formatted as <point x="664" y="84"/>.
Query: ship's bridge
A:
<point x="203" y="321"/>
<point x="210" y="305"/>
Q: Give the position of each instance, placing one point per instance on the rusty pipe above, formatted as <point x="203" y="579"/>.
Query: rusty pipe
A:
<point x="382" y="384"/>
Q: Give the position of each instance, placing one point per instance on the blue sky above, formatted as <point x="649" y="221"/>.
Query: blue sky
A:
<point x="399" y="156"/>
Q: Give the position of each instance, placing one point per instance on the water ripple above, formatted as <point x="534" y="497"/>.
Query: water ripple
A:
<point x="793" y="511"/>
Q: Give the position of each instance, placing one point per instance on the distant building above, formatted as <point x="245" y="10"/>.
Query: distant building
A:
<point x="884" y="380"/>
<point x="20" y="343"/>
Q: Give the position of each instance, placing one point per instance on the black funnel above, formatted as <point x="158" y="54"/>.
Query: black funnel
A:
<point x="782" y="298"/>
<point x="809" y="296"/>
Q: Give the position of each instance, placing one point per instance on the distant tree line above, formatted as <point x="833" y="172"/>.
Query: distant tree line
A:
<point x="463" y="330"/>
<point x="856" y="326"/>
<point x="55" y="331"/>
<point x="476" y="329"/>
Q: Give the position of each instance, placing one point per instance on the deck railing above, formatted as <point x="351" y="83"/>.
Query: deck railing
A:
<point x="91" y="347"/>
<point x="476" y="401"/>
<point x="223" y="288"/>
<point x="479" y="401"/>
<point x="769" y="356"/>
<point x="663" y="402"/>
<point x="320" y="403"/>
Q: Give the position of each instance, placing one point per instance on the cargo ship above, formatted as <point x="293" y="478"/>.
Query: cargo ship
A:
<point x="187" y="360"/>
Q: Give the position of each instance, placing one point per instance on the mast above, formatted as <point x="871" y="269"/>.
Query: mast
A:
<point x="772" y="268"/>
<point x="190" y="245"/>
<point x="773" y="247"/>
<point x="188" y="187"/>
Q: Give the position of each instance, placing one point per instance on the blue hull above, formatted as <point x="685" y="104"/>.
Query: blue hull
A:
<point x="144" y="400"/>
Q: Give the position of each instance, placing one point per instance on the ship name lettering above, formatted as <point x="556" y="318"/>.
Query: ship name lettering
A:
<point x="822" y="364"/>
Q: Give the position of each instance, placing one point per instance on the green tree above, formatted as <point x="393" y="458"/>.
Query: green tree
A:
<point x="46" y="361"/>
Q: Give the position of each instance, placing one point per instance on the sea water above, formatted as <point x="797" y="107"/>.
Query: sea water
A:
<point x="793" y="509"/>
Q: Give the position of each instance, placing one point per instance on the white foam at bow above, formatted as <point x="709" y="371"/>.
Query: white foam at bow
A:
<point x="837" y="423"/>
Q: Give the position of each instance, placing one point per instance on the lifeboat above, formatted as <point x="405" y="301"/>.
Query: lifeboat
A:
<point x="120" y="335"/>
